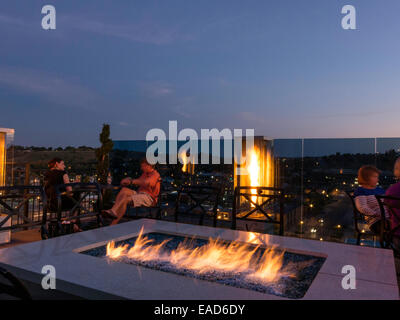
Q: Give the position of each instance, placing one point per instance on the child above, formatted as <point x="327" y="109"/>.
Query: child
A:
<point x="366" y="202"/>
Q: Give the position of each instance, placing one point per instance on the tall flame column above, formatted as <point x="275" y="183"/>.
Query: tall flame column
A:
<point x="259" y="164"/>
<point x="5" y="136"/>
<point x="2" y="158"/>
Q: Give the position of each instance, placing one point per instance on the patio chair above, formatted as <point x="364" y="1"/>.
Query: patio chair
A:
<point x="13" y="286"/>
<point x="149" y="210"/>
<point x="359" y="220"/>
<point x="389" y="203"/>
<point x="204" y="198"/>
<point x="156" y="206"/>
<point x="87" y="202"/>
<point x="23" y="205"/>
<point x="272" y="200"/>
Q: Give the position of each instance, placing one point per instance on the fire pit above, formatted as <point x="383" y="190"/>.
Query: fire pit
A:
<point x="291" y="268"/>
<point x="243" y="265"/>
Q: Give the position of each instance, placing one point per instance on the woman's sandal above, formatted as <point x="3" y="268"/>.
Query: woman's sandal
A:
<point x="109" y="214"/>
<point x="76" y="228"/>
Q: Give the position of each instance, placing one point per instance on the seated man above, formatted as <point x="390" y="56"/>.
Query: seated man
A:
<point x="146" y="196"/>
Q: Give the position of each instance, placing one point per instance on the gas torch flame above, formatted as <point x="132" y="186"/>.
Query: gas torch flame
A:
<point x="185" y="161"/>
<point x="187" y="166"/>
<point x="253" y="169"/>
<point x="216" y="255"/>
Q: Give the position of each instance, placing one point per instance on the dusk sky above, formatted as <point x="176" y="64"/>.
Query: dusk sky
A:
<point x="285" y="68"/>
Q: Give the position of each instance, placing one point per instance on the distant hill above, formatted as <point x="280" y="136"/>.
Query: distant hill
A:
<point x="77" y="161"/>
<point x="42" y="157"/>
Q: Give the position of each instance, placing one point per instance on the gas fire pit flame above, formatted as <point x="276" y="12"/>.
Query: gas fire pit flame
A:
<point x="215" y="256"/>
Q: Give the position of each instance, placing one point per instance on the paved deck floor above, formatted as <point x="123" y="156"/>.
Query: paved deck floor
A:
<point x="22" y="237"/>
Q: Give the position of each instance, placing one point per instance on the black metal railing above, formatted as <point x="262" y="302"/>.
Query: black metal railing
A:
<point x="269" y="203"/>
<point x="23" y="206"/>
<point x="203" y="198"/>
<point x="73" y="202"/>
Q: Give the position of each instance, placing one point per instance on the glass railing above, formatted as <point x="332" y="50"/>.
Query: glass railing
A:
<point x="315" y="174"/>
<point x="319" y="172"/>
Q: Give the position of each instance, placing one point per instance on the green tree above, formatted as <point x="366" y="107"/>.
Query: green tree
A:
<point x="103" y="154"/>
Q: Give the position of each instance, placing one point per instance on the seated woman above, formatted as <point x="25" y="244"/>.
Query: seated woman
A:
<point x="394" y="191"/>
<point x="146" y="196"/>
<point x="366" y="202"/>
<point x="56" y="175"/>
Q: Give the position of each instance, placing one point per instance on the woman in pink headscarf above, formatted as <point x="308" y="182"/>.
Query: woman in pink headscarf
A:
<point x="394" y="191"/>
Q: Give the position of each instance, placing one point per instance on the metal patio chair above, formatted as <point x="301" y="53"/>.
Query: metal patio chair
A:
<point x="272" y="199"/>
<point x="87" y="202"/>
<point x="149" y="210"/>
<point x="359" y="220"/>
<point x="198" y="197"/>
<point x="389" y="203"/>
<point x="13" y="286"/>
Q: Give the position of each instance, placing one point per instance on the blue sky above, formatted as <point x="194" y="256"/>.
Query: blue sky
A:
<point x="285" y="68"/>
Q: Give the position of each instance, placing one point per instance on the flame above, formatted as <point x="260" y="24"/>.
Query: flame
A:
<point x="2" y="158"/>
<point x="216" y="255"/>
<point x="260" y="168"/>
<point x="187" y="165"/>
<point x="142" y="250"/>
<point x="252" y="238"/>
<point x="185" y="161"/>
<point x="253" y="169"/>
